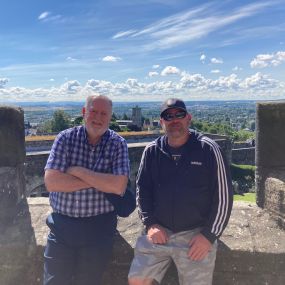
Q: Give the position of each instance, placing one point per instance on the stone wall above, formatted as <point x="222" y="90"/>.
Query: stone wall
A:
<point x="132" y="137"/>
<point x="270" y="158"/>
<point x="251" y="250"/>
<point x="35" y="163"/>
<point x="244" y="156"/>
<point x="14" y="243"/>
<point x="12" y="157"/>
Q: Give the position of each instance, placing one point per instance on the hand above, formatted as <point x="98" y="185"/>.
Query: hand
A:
<point x="199" y="247"/>
<point x="157" y="234"/>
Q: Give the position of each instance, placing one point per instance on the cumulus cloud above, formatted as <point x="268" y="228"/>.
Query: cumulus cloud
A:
<point x="215" y="71"/>
<point x="236" y="68"/>
<point x="3" y="82"/>
<point x="203" y="58"/>
<point x="259" y="81"/>
<point x="216" y="60"/>
<point x="152" y="73"/>
<point x="256" y="86"/>
<point x="110" y="58"/>
<point x="155" y="66"/>
<point x="69" y="58"/>
<point x="71" y="86"/>
<point x="170" y="70"/>
<point x="265" y="60"/>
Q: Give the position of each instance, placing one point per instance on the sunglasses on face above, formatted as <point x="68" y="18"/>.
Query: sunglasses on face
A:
<point x="171" y="116"/>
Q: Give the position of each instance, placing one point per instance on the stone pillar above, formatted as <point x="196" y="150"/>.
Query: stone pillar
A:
<point x="270" y="156"/>
<point x="12" y="157"/>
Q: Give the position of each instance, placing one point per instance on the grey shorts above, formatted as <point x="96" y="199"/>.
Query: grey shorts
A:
<point x="152" y="260"/>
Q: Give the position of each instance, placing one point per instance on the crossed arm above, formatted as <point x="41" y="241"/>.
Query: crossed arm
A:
<point x="77" y="178"/>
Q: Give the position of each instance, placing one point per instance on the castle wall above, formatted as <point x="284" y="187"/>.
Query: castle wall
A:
<point x="14" y="244"/>
<point x="35" y="163"/>
<point x="251" y="250"/>
<point x="244" y="156"/>
<point x="12" y="157"/>
<point x="270" y="158"/>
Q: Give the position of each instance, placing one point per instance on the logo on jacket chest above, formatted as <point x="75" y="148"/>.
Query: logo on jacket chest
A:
<point x="199" y="163"/>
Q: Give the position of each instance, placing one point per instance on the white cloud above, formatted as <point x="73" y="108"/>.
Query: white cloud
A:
<point x="195" y="24"/>
<point x="52" y="80"/>
<point x="47" y="17"/>
<point x="69" y="58"/>
<point x="259" y="81"/>
<point x="203" y="58"/>
<point x="170" y="70"/>
<point x="188" y="86"/>
<point x="110" y="58"/>
<point x="152" y="73"/>
<point x="215" y="71"/>
<point x="132" y="82"/>
<point x="43" y="15"/>
<point x="265" y="60"/>
<point x="123" y="34"/>
<point x="236" y="68"/>
<point x="216" y="60"/>
<point x="3" y="82"/>
<point x="155" y="66"/>
<point x="71" y="86"/>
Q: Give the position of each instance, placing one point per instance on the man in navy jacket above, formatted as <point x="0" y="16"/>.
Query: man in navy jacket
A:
<point x="184" y="194"/>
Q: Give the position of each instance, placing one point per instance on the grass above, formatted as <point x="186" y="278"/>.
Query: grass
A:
<point x="247" y="197"/>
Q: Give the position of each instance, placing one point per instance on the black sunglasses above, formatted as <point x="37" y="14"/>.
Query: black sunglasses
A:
<point x="169" y="117"/>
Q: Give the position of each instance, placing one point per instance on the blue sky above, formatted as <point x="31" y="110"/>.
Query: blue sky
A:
<point x="136" y="50"/>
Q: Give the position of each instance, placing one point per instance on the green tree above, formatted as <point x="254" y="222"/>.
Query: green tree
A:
<point x="78" y="121"/>
<point x="44" y="128"/>
<point x="114" y="126"/>
<point x="60" y="121"/>
<point x="125" y="117"/>
<point x="114" y="117"/>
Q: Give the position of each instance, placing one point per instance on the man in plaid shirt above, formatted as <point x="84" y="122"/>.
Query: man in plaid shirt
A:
<point x="84" y="162"/>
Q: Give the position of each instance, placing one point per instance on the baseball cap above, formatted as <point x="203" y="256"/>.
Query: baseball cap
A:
<point x="173" y="103"/>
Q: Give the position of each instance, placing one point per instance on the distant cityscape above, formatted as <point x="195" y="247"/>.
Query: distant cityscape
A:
<point x="238" y="115"/>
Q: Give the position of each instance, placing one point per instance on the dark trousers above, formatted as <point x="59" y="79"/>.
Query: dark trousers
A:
<point x="78" y="249"/>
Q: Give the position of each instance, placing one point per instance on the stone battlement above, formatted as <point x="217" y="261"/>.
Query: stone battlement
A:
<point x="251" y="250"/>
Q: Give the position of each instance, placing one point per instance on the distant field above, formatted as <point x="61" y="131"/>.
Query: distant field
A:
<point x="247" y="197"/>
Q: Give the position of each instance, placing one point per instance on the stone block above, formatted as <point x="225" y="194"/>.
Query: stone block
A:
<point x="275" y="199"/>
<point x="270" y="134"/>
<point x="12" y="191"/>
<point x="12" y="136"/>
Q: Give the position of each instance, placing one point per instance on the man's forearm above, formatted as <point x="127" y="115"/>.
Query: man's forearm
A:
<point x="104" y="182"/>
<point x="57" y="181"/>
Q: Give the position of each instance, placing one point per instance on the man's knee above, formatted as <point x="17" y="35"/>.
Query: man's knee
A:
<point x="138" y="281"/>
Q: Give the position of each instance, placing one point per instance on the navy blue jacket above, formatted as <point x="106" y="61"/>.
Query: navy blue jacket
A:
<point x="194" y="192"/>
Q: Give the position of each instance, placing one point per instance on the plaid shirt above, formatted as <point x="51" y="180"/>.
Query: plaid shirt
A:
<point x="71" y="148"/>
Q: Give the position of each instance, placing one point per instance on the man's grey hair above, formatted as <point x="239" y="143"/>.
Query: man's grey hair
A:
<point x="91" y="98"/>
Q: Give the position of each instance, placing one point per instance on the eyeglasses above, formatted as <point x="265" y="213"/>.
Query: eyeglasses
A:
<point x="171" y="116"/>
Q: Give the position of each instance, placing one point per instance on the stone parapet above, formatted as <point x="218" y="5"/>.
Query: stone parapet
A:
<point x="251" y="250"/>
<point x="35" y="163"/>
<point x="12" y="136"/>
<point x="12" y="157"/>
<point x="275" y="196"/>
<point x="270" y="156"/>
